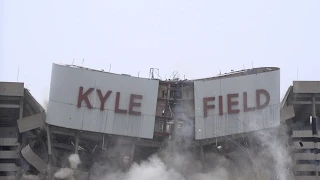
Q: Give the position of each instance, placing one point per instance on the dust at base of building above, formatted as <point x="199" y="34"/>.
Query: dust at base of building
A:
<point x="254" y="155"/>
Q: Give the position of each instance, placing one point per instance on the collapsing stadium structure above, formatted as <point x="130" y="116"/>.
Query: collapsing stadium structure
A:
<point x="120" y="119"/>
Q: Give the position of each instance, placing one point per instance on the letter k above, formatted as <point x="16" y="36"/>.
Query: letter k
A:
<point x="84" y="96"/>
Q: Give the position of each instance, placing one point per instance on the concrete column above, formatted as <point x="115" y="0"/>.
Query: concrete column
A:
<point x="201" y="153"/>
<point x="49" y="171"/>
<point x="21" y="108"/>
<point x="132" y="152"/>
<point x="77" y="142"/>
<point x="314" y="120"/>
<point x="314" y="123"/>
<point x="20" y="117"/>
<point x="314" y="106"/>
<point x="201" y="156"/>
<point x="49" y="142"/>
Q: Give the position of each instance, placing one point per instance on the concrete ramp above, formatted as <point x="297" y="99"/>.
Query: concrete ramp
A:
<point x="34" y="159"/>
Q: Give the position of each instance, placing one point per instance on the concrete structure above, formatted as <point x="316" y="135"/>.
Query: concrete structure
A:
<point x="131" y="128"/>
<point x="20" y="113"/>
<point x="96" y="101"/>
<point x="300" y="110"/>
<point x="174" y="115"/>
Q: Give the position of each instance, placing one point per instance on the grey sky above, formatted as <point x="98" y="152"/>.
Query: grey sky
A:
<point x="197" y="38"/>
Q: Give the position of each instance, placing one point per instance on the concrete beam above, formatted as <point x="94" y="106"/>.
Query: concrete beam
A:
<point x="286" y="112"/>
<point x="63" y="146"/>
<point x="306" y="87"/>
<point x="9" y="167"/>
<point x="31" y="122"/>
<point x="305" y="167"/>
<point x="9" y="154"/>
<point x="8" y="177"/>
<point x="302" y="102"/>
<point x="11" y="89"/>
<point x="9" y="142"/>
<point x="10" y="106"/>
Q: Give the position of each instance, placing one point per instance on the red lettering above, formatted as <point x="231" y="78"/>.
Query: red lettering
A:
<point x="206" y="106"/>
<point x="245" y="103"/>
<point x="116" y="109"/>
<point x="84" y="96"/>
<point x="134" y="104"/>
<point x="220" y="106"/>
<point x="232" y="103"/>
<point x="258" y="95"/>
<point x="102" y="98"/>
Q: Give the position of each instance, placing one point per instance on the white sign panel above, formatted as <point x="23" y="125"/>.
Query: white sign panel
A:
<point x="103" y="102"/>
<point x="232" y="105"/>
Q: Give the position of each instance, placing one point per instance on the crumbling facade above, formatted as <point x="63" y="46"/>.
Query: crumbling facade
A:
<point x="31" y="145"/>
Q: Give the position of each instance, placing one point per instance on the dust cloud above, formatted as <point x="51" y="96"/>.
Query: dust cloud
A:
<point x="267" y="158"/>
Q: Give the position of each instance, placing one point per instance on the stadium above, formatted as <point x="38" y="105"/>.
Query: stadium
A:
<point x="112" y="121"/>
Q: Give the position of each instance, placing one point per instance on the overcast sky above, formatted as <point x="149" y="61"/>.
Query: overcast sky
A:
<point x="196" y="38"/>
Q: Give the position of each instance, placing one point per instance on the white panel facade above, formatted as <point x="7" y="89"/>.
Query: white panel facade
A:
<point x="64" y="110"/>
<point x="245" y="114"/>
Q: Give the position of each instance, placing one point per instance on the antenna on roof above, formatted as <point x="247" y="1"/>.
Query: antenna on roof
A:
<point x="110" y="67"/>
<point x="152" y="73"/>
<point x="73" y="60"/>
<point x="18" y="75"/>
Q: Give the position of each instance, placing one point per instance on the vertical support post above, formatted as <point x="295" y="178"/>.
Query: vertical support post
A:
<point x="49" y="151"/>
<point x="49" y="142"/>
<point x="132" y="151"/>
<point x="77" y="142"/>
<point x="314" y="122"/>
<point x="201" y="154"/>
<point x="21" y="108"/>
<point x="314" y="105"/>
<point x="19" y="135"/>
<point x="20" y="117"/>
<point x="314" y="119"/>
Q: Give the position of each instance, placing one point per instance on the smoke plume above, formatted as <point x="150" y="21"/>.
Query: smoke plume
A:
<point x="267" y="157"/>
